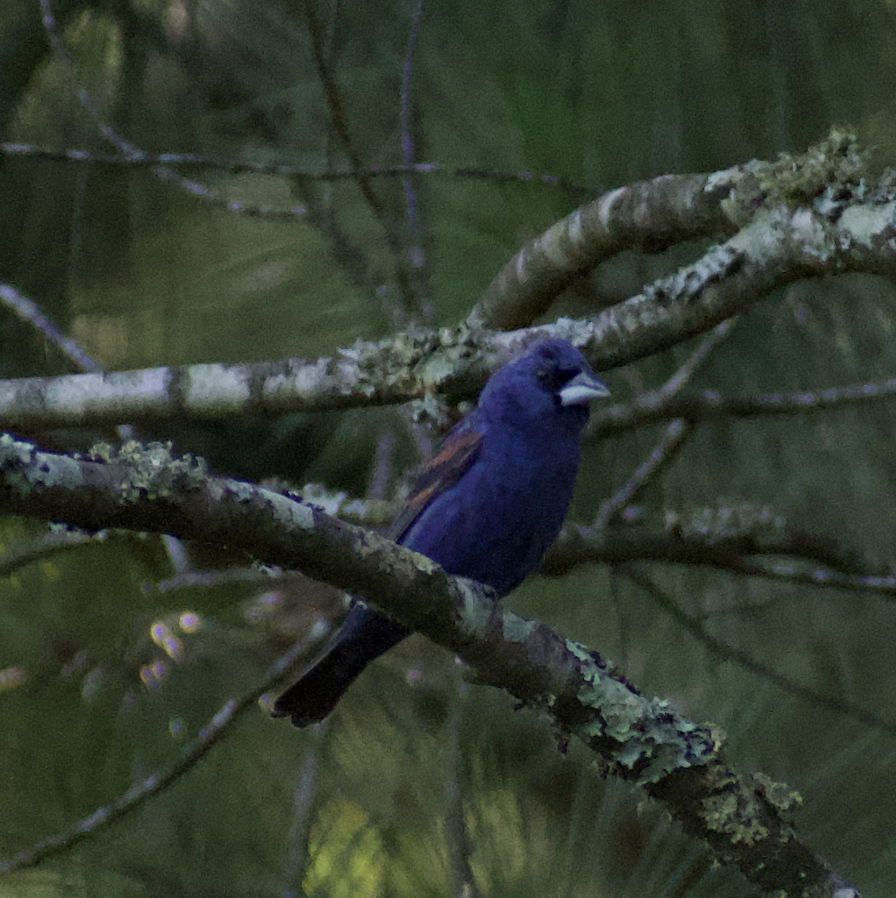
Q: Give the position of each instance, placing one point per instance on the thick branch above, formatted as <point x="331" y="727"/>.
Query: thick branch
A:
<point x="776" y="249"/>
<point x="640" y="739"/>
<point x="653" y="214"/>
<point x="796" y="224"/>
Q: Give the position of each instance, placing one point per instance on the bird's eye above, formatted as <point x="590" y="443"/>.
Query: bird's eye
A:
<point x="552" y="379"/>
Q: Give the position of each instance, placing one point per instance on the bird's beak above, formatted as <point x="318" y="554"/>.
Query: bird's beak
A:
<point x="583" y="388"/>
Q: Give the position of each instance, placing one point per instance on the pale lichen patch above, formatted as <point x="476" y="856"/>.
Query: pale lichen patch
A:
<point x="215" y="387"/>
<point x="474" y="613"/>
<point x="18" y="462"/>
<point x="151" y="470"/>
<point x="518" y="629"/>
<point x="292" y="512"/>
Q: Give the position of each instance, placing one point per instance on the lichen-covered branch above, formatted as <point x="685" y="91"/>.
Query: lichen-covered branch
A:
<point x="639" y="739"/>
<point x="655" y="407"/>
<point x="721" y="536"/>
<point x="654" y="215"/>
<point x="398" y="369"/>
<point x="798" y="217"/>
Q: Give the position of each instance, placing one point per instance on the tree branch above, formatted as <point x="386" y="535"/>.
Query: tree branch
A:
<point x="654" y="215"/>
<point x="655" y="407"/>
<point x="839" y="231"/>
<point x="639" y="739"/>
<point x="657" y="214"/>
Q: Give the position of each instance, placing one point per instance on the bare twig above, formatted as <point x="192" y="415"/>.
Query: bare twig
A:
<point x="667" y="448"/>
<point x="29" y="312"/>
<point x="686" y="371"/>
<point x="343" y="135"/>
<point x="138" y="158"/>
<point x="334" y="103"/>
<point x="132" y="152"/>
<point x="672" y="441"/>
<point x="652" y="408"/>
<point x="746" y="540"/>
<point x="415" y="250"/>
<point x="726" y="652"/>
<point x="104" y="817"/>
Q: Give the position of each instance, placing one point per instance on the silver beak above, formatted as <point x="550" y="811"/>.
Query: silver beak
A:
<point x="583" y="388"/>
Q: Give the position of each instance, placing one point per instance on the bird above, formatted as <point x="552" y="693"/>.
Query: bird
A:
<point x="486" y="507"/>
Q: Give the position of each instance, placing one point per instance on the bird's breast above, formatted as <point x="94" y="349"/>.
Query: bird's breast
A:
<point x="496" y="522"/>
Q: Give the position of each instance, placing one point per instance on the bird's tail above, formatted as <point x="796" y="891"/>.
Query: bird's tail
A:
<point x="364" y="636"/>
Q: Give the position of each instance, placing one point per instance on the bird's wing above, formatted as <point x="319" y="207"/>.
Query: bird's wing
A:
<point x="458" y="451"/>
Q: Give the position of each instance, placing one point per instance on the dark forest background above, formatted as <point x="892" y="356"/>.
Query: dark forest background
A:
<point x="111" y="660"/>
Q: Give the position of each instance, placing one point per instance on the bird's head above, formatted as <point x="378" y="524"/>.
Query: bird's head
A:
<point x="551" y="384"/>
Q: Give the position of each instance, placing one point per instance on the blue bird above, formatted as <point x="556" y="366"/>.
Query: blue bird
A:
<point x="486" y="507"/>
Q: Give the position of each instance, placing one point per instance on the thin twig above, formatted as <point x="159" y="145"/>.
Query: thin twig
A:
<point x="334" y="103"/>
<point x="709" y="405"/>
<point x="738" y="551"/>
<point x="667" y="448"/>
<point x="132" y="152"/>
<point x="29" y="312"/>
<point x="821" y="579"/>
<point x="675" y="437"/>
<point x="341" y="130"/>
<point x="104" y="817"/>
<point x="686" y="371"/>
<point x="726" y="652"/>
<point x="141" y="159"/>
<point x="415" y="249"/>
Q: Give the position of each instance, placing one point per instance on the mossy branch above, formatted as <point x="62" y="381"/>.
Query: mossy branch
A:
<point x="638" y="739"/>
<point x="797" y="217"/>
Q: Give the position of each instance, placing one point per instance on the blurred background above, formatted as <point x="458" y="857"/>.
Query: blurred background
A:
<point x="111" y="660"/>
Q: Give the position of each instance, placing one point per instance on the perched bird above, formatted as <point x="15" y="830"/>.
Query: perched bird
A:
<point x="486" y="507"/>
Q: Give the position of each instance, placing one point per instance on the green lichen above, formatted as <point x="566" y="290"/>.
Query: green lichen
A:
<point x="727" y="520"/>
<point x="780" y="795"/>
<point x="102" y="452"/>
<point x="581" y="652"/>
<point x="825" y="177"/>
<point x="651" y="741"/>
<point x="15" y="460"/>
<point x="425" y="564"/>
<point x="745" y="193"/>
<point x="474" y="612"/>
<point x="866" y="223"/>
<point x="151" y="470"/>
<point x="289" y="505"/>
<point x="337" y="503"/>
<point x="723" y="813"/>
<point x="432" y="411"/>
<point x="688" y="284"/>
<point x="798" y="178"/>
<point x="241" y="491"/>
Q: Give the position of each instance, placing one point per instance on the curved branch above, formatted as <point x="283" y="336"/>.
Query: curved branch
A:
<point x="840" y="227"/>
<point x="655" y="214"/>
<point x="640" y="739"/>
